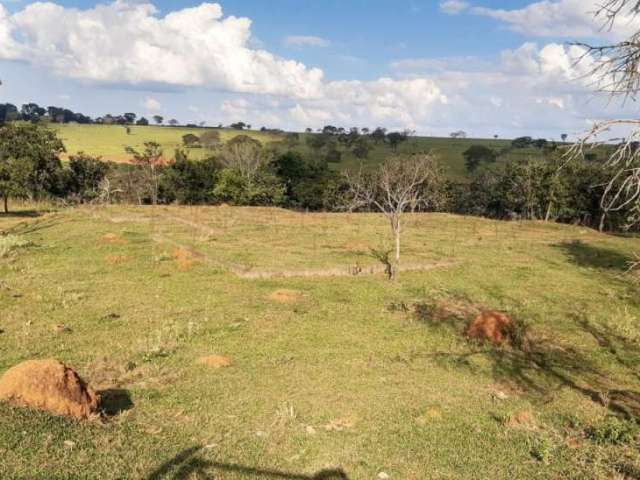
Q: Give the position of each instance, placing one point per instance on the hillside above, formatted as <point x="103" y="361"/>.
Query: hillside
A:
<point x="109" y="141"/>
<point x="329" y="370"/>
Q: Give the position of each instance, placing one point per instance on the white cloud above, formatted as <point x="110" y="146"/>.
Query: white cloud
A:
<point x="453" y="7"/>
<point x="306" y="41"/>
<point x="152" y="104"/>
<point x="128" y="42"/>
<point x="561" y="18"/>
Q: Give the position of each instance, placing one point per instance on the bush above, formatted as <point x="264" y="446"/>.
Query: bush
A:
<point x="612" y="431"/>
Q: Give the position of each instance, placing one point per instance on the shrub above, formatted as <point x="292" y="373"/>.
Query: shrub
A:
<point x="612" y="431"/>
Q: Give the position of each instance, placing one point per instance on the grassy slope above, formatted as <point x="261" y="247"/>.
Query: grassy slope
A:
<point x="418" y="400"/>
<point x="109" y="141"/>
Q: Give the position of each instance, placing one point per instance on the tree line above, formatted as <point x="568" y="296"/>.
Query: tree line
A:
<point x="243" y="171"/>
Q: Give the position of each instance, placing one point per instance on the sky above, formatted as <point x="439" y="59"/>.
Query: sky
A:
<point x="489" y="67"/>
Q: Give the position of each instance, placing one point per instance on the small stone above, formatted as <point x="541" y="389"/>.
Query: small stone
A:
<point x="260" y="433"/>
<point x="500" y="395"/>
<point x="310" y="430"/>
<point x="383" y="476"/>
<point x="69" y="444"/>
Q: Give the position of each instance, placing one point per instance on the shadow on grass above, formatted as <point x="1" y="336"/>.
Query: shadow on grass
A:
<point x="585" y="255"/>
<point x="189" y="463"/>
<point x="114" y="401"/>
<point x="542" y="365"/>
<point x="22" y="214"/>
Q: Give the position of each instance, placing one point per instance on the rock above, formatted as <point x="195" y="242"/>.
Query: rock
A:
<point x="494" y="327"/>
<point x="383" y="476"/>
<point x="310" y="430"/>
<point x="50" y="386"/>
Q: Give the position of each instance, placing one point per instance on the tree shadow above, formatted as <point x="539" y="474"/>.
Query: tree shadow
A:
<point x="114" y="401"/>
<point x="585" y="255"/>
<point x="23" y="214"/>
<point x="189" y="463"/>
<point x="541" y="365"/>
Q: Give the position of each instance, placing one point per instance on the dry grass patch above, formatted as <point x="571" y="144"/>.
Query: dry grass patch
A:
<point x="286" y="296"/>
<point x="184" y="259"/>
<point x="113" y="239"/>
<point x="116" y="259"/>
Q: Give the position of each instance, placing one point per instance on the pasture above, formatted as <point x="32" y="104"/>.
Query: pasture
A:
<point x="333" y="374"/>
<point x="110" y="141"/>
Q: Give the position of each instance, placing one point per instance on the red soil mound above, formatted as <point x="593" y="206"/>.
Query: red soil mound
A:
<point x="50" y="386"/>
<point x="215" y="361"/>
<point x="494" y="327"/>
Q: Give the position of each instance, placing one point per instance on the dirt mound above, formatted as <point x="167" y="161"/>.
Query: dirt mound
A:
<point x="184" y="258"/>
<point x="494" y="327"/>
<point x="523" y="420"/>
<point x="112" y="238"/>
<point x="215" y="361"/>
<point x="50" y="386"/>
<point x="286" y="296"/>
<point x="116" y="259"/>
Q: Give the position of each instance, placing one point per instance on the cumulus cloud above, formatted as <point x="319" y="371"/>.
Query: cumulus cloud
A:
<point x="560" y="18"/>
<point x="151" y="104"/>
<point x="306" y="41"/>
<point x="453" y="7"/>
<point x="128" y="42"/>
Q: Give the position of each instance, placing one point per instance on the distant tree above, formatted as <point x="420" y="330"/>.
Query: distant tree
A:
<point x="458" y="134"/>
<point x="239" y="126"/>
<point x="150" y="161"/>
<point x="244" y="154"/>
<point x="495" y="137"/>
<point x="173" y="122"/>
<point x="29" y="161"/>
<point x="189" y="140"/>
<point x="8" y="113"/>
<point x="540" y="143"/>
<point x="130" y="118"/>
<point x="396" y="138"/>
<point x="379" y="135"/>
<point x="522" y="142"/>
<point x="210" y="139"/>
<point x="158" y="119"/>
<point x="32" y="112"/>
<point x="401" y="184"/>
<point x="564" y="137"/>
<point x="364" y="131"/>
<point x="478" y="154"/>
<point x="309" y="130"/>
<point x="362" y="148"/>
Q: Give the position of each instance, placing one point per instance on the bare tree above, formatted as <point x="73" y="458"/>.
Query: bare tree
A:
<point x="150" y="160"/>
<point x="401" y="184"/>
<point x="615" y="69"/>
<point x="244" y="154"/>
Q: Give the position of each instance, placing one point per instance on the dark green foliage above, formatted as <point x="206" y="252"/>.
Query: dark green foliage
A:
<point x="189" y="181"/>
<point x="475" y="155"/>
<point x="613" y="431"/>
<point x="190" y="140"/>
<point x="29" y="162"/>
<point x="83" y="177"/>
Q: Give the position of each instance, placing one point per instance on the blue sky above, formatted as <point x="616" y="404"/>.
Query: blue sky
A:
<point x="485" y="66"/>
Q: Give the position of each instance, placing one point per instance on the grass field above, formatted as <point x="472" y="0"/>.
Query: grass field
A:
<point x="330" y="371"/>
<point x="109" y="142"/>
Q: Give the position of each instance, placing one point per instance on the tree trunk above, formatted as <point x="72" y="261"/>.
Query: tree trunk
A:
<point x="6" y="204"/>
<point x="548" y="214"/>
<point x="602" y="219"/>
<point x="396" y="263"/>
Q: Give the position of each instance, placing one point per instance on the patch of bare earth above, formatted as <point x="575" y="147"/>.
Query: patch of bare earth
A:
<point x="494" y="327"/>
<point x="286" y="296"/>
<point x="112" y="239"/>
<point x="215" y="361"/>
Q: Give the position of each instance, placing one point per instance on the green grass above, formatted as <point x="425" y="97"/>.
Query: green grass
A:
<point x="415" y="398"/>
<point x="109" y="142"/>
